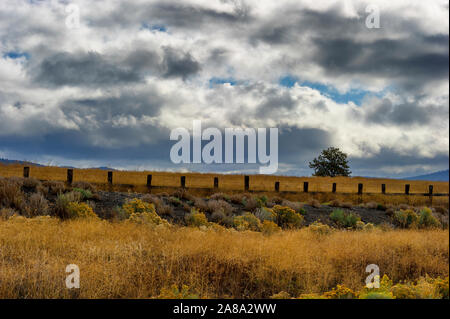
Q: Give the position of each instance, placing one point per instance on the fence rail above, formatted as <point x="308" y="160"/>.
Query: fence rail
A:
<point x="276" y="187"/>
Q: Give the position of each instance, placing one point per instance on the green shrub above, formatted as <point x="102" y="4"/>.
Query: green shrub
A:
<point x="377" y="295"/>
<point x="36" y="205"/>
<point x="427" y="220"/>
<point x="406" y="218"/>
<point x="287" y="217"/>
<point x="85" y="193"/>
<point x="60" y="208"/>
<point x="265" y="213"/>
<point x="298" y="207"/>
<point x="247" y="221"/>
<point x="262" y="201"/>
<point x="338" y="216"/>
<point x="343" y="219"/>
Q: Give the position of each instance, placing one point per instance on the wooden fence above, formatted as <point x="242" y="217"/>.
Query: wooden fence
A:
<point x="276" y="187"/>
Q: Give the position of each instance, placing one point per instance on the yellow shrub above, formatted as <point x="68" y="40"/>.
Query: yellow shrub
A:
<point x="196" y="219"/>
<point x="406" y="218"/>
<point x="360" y="225"/>
<point x="268" y="227"/>
<point x="442" y="287"/>
<point x="138" y="206"/>
<point x="311" y="296"/>
<point x="142" y="213"/>
<point x="175" y="293"/>
<point x="319" y="228"/>
<point x="80" y="210"/>
<point x="247" y="221"/>
<point x="426" y="289"/>
<point x="402" y="291"/>
<point x="341" y="292"/>
<point x="287" y="217"/>
<point x="369" y="227"/>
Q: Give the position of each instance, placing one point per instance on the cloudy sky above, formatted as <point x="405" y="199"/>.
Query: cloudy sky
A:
<point x="109" y="91"/>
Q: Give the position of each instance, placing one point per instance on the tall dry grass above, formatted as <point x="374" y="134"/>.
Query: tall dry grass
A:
<point x="124" y="260"/>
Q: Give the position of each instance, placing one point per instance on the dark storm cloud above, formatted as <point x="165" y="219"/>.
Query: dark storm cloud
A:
<point x="172" y="14"/>
<point x="77" y="145"/>
<point x="179" y="64"/>
<point x="276" y="99"/>
<point x="342" y="56"/>
<point x="97" y="70"/>
<point x="184" y="15"/>
<point x="292" y="24"/>
<point x="345" y="46"/>
<point x="143" y="61"/>
<point x="389" y="157"/>
<point x="385" y="112"/>
<point x="137" y="104"/>
<point x="86" y="69"/>
<point x="300" y="145"/>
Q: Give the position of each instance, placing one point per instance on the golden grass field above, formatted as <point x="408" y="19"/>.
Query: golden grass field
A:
<point x="260" y="183"/>
<point x="125" y="260"/>
<point x="228" y="182"/>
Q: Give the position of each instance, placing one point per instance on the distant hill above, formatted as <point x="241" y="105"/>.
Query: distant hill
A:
<point x="441" y="176"/>
<point x="8" y="162"/>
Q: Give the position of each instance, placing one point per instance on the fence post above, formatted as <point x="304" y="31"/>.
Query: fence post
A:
<point x="216" y="182"/>
<point x="183" y="181"/>
<point x="407" y="187"/>
<point x="69" y="176"/>
<point x="149" y="181"/>
<point x="334" y="188"/>
<point x="430" y="193"/>
<point x="26" y="172"/>
<point x="110" y="177"/>
<point x="305" y="187"/>
<point x="383" y="188"/>
<point x="277" y="187"/>
<point x="360" y="189"/>
<point x="247" y="183"/>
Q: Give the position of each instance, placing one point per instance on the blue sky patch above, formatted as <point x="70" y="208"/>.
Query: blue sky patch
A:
<point x="16" y="55"/>
<point x="354" y="95"/>
<point x="154" y="27"/>
<point x="217" y="81"/>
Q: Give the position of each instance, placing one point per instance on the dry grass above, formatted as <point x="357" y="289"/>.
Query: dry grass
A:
<point x="124" y="260"/>
<point x="227" y="182"/>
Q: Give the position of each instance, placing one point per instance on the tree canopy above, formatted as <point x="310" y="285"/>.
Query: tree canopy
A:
<point x="331" y="162"/>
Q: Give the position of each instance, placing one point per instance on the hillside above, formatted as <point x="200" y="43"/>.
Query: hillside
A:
<point x="441" y="176"/>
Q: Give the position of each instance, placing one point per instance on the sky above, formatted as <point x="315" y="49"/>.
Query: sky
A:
<point x="108" y="90"/>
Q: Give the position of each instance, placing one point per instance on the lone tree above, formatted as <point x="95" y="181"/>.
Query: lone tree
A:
<point x="331" y="162"/>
